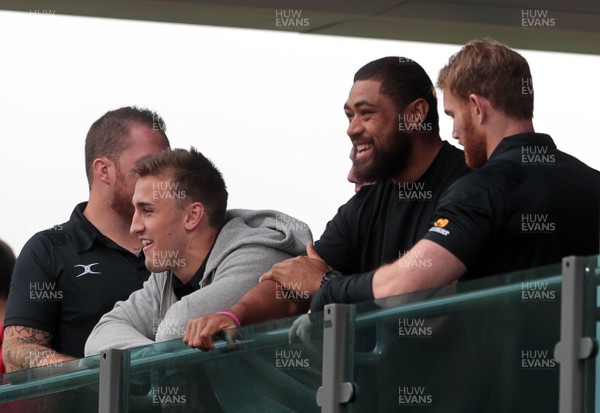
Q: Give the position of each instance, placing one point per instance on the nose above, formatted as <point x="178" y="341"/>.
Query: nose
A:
<point x="355" y="128"/>
<point x="136" y="224"/>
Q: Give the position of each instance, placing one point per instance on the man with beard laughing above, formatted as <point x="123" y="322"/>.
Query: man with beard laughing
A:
<point x="393" y="127"/>
<point x="526" y="205"/>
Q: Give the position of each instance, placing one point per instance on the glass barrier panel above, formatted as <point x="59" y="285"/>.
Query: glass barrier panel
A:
<point x="68" y="387"/>
<point x="261" y="372"/>
<point x="480" y="346"/>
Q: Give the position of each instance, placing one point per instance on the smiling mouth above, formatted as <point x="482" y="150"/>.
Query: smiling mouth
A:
<point x="146" y="243"/>
<point x="363" y="147"/>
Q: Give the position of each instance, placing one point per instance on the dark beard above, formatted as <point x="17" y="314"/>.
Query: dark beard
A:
<point x="387" y="162"/>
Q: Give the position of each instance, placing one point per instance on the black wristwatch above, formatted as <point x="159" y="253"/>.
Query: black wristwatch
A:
<point x="329" y="275"/>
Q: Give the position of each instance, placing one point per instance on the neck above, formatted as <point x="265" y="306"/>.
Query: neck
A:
<point x="507" y="127"/>
<point x="195" y="252"/>
<point x="424" y="150"/>
<point x="111" y="224"/>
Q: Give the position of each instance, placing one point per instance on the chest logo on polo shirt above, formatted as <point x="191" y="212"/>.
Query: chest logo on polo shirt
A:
<point x="87" y="269"/>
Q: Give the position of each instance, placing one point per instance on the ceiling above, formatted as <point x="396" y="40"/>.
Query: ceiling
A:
<point x="553" y="25"/>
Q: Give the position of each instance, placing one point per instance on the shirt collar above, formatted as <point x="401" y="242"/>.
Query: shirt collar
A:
<point x="523" y="139"/>
<point x="86" y="233"/>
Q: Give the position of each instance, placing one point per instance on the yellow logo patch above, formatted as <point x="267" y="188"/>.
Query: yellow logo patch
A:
<point x="441" y="222"/>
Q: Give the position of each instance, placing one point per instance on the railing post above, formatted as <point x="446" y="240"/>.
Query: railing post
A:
<point x="336" y="391"/>
<point x="114" y="366"/>
<point x="574" y="348"/>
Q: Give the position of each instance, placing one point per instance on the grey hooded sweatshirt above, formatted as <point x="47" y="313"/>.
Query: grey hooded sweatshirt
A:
<point x="247" y="246"/>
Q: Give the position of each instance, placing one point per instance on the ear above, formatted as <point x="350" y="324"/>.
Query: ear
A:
<point x="415" y="115"/>
<point x="194" y="215"/>
<point x="479" y="107"/>
<point x="104" y="170"/>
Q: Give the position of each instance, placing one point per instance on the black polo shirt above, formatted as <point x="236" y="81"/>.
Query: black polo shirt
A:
<point x="67" y="277"/>
<point x="528" y="206"/>
<point x="382" y="222"/>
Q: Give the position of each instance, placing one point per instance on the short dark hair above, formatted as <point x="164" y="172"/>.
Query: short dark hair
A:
<point x="105" y="137"/>
<point x="7" y="263"/>
<point x="403" y="80"/>
<point x="492" y="70"/>
<point x="194" y="175"/>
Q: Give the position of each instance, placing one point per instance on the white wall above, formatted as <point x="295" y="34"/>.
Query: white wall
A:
<point x="266" y="107"/>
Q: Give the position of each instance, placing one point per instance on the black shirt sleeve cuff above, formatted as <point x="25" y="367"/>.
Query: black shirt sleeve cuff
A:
<point x="344" y="290"/>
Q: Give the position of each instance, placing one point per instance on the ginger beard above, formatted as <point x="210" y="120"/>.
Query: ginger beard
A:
<point x="122" y="195"/>
<point x="474" y="143"/>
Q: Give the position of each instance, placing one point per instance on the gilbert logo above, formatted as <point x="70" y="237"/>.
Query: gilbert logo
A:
<point x="87" y="269"/>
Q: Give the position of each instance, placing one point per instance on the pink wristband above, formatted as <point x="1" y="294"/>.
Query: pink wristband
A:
<point x="232" y="316"/>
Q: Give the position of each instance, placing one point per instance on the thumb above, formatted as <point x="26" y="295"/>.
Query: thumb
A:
<point x="312" y="252"/>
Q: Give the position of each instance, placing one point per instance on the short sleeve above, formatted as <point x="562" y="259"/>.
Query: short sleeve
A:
<point x="34" y="299"/>
<point x="474" y="208"/>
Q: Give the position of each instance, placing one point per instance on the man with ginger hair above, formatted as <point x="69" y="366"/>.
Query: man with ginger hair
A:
<point x="527" y="204"/>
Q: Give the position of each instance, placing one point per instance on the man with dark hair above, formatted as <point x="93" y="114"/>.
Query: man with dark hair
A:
<point x="393" y="127"/>
<point x="68" y="276"/>
<point x="203" y="258"/>
<point x="526" y="205"/>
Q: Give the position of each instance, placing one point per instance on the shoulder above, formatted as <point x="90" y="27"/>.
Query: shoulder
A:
<point x="496" y="175"/>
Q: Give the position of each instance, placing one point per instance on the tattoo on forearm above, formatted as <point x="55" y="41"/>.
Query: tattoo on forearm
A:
<point x="26" y="347"/>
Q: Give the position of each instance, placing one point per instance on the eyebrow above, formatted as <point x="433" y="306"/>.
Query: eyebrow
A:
<point x="360" y="103"/>
<point x="142" y="204"/>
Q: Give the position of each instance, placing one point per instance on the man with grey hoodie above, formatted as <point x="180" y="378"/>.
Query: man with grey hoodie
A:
<point x="203" y="258"/>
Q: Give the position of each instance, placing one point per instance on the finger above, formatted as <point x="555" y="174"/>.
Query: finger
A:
<point x="266" y="276"/>
<point x="312" y="252"/>
<point x="205" y="339"/>
<point x="292" y="337"/>
<point x="189" y="330"/>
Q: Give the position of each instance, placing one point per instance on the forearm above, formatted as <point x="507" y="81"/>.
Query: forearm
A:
<point x="263" y="303"/>
<point x="26" y="347"/>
